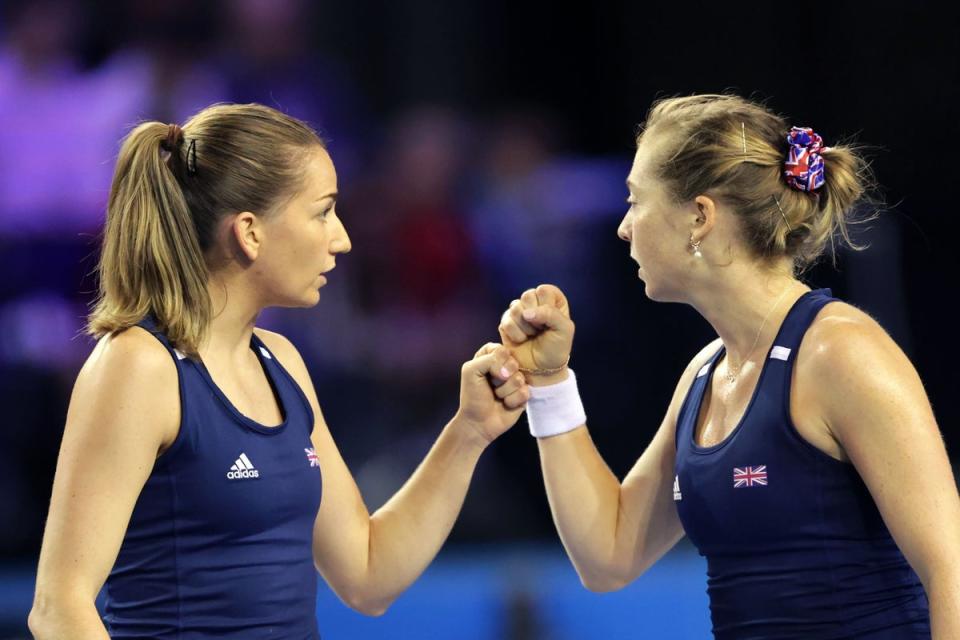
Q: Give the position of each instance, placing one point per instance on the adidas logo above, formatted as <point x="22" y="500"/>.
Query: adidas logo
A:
<point x="242" y="468"/>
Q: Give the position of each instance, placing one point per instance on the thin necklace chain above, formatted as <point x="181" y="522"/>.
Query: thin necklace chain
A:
<point x="731" y="376"/>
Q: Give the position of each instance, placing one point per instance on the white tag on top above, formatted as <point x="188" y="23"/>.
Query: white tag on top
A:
<point x="780" y="353"/>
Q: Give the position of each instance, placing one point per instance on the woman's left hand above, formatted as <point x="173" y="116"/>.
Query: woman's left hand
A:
<point x="493" y="393"/>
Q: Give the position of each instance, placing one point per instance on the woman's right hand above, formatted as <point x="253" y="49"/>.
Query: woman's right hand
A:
<point x="539" y="332"/>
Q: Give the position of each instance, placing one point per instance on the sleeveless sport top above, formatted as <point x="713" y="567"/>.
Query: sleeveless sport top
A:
<point x="219" y="542"/>
<point x="795" y="545"/>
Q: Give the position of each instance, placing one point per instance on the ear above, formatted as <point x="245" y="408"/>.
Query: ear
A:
<point x="247" y="232"/>
<point x="706" y="217"/>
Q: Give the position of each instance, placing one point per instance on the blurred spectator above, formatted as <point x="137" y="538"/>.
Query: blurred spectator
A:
<point x="534" y="210"/>
<point x="60" y="126"/>
<point x="166" y="60"/>
<point x="417" y="282"/>
<point x="268" y="55"/>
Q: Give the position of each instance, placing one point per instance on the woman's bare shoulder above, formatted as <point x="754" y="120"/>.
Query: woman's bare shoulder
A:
<point x="129" y="372"/>
<point x="838" y="327"/>
<point x="128" y="352"/>
<point x="848" y="357"/>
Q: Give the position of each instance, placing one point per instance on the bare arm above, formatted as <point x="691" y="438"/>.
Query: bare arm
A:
<point x="369" y="560"/>
<point x="614" y="532"/>
<point x="611" y="531"/>
<point x="882" y="418"/>
<point x="123" y="411"/>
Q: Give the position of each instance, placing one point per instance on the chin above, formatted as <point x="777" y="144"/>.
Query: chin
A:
<point x="304" y="301"/>
<point x="660" y="294"/>
<point x="650" y="292"/>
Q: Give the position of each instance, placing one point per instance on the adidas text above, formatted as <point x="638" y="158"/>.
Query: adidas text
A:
<point x="246" y="473"/>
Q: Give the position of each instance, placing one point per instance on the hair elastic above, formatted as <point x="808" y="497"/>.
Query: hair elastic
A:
<point x="803" y="168"/>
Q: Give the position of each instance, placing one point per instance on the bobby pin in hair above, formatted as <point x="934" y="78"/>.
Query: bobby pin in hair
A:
<point x="775" y="199"/>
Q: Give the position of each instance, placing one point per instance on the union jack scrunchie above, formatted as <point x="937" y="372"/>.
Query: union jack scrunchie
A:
<point x="803" y="168"/>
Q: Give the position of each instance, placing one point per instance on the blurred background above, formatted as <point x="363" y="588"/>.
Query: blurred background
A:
<point x="482" y="148"/>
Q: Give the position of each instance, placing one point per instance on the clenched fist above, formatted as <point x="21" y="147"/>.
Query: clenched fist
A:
<point x="539" y="332"/>
<point x="493" y="393"/>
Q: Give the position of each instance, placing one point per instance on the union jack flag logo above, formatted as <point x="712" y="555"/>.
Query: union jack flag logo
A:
<point x="312" y="457"/>
<point x="750" y="476"/>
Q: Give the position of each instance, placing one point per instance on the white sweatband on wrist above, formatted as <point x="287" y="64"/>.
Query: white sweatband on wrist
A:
<point x="555" y="409"/>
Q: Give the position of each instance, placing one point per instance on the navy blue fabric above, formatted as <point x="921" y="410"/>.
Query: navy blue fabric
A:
<point x="219" y="543"/>
<point x="799" y="550"/>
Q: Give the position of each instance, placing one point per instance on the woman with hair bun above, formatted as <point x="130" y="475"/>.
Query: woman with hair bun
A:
<point x="197" y="478"/>
<point x="799" y="451"/>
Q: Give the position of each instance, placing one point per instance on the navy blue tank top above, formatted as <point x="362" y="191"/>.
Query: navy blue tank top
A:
<point x="795" y="545"/>
<point x="219" y="542"/>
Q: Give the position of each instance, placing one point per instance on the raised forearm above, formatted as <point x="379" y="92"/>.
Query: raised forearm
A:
<point x="407" y="532"/>
<point x="584" y="498"/>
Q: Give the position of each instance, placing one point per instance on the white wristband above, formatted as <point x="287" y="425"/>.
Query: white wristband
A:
<point x="555" y="409"/>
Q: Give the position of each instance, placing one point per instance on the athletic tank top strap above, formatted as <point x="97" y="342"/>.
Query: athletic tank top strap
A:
<point x="797" y="322"/>
<point x="773" y="386"/>
<point x="774" y="383"/>
<point x="149" y="323"/>
<point x="288" y="392"/>
<point x="285" y="386"/>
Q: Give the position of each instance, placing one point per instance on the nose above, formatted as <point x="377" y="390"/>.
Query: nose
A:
<point x="341" y="240"/>
<point x="623" y="231"/>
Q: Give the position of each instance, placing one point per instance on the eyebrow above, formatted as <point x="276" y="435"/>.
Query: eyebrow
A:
<point x="332" y="194"/>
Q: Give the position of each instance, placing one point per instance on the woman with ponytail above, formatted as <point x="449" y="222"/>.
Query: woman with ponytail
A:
<point x="799" y="451"/>
<point x="197" y="479"/>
